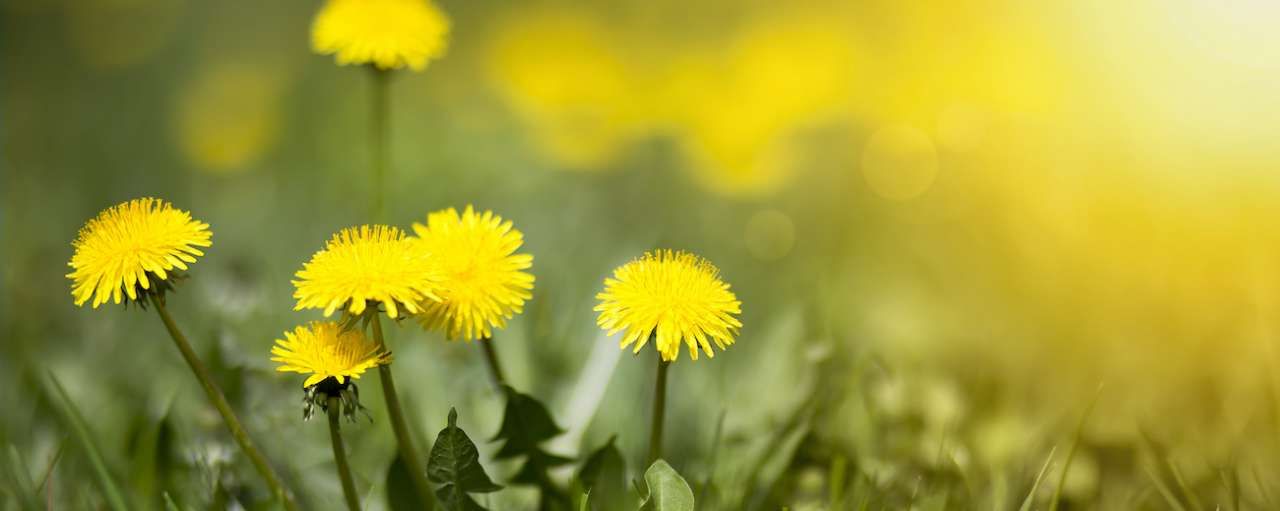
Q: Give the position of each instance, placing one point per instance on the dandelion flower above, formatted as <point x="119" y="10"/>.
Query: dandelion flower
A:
<point x="128" y="245"/>
<point x="483" y="283"/>
<point x="325" y="350"/>
<point x="390" y="34"/>
<point x="674" y="296"/>
<point x="368" y="263"/>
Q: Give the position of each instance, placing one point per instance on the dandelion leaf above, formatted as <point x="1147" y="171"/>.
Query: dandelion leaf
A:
<point x="454" y="464"/>
<point x="666" y="490"/>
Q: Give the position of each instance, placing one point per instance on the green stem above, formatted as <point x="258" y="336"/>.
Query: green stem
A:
<point x="340" y="454"/>
<point x="659" y="411"/>
<point x="220" y="402"/>
<point x="398" y="424"/>
<point x="379" y="141"/>
<point x="491" y="358"/>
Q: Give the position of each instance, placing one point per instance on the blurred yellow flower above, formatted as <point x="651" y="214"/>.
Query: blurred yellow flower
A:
<point x="368" y="263"/>
<point x="674" y="296"/>
<point x="563" y="75"/>
<point x="483" y="285"/>
<point x="228" y="116"/>
<point x="128" y="245"/>
<point x="739" y="108"/>
<point x="390" y="34"/>
<point x="325" y="350"/>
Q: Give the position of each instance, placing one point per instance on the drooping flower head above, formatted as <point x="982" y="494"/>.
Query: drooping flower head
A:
<point x="135" y="244"/>
<point x="483" y="283"/>
<point x="676" y="297"/>
<point x="390" y="34"/>
<point x="368" y="263"/>
<point x="323" y="349"/>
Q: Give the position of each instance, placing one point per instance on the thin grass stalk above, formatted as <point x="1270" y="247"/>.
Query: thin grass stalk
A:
<point x="80" y="429"/>
<point x="219" y="401"/>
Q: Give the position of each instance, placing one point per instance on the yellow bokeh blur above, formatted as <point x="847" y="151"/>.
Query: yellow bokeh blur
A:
<point x="228" y="115"/>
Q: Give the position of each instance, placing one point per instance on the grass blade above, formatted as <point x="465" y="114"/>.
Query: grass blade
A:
<point x="1164" y="489"/>
<point x="1071" y="453"/>
<point x="1231" y="480"/>
<point x="53" y="463"/>
<point x="1182" y="485"/>
<point x="20" y="480"/>
<point x="75" y="421"/>
<point x="1035" y="486"/>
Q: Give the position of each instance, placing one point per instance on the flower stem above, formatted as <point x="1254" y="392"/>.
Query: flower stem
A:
<point x="340" y="455"/>
<point x="398" y="425"/>
<point x="379" y="141"/>
<point x="659" y="410"/>
<point x="491" y="358"/>
<point x="220" y="402"/>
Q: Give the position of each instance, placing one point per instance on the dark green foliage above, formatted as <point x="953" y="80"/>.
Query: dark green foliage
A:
<point x="603" y="477"/>
<point x="400" y="493"/>
<point x="526" y="423"/>
<point x="454" y="464"/>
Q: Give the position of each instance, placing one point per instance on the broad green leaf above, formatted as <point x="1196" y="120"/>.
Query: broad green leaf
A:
<point x="667" y="491"/>
<point x="401" y="495"/>
<point x="454" y="463"/>
<point x="604" y="476"/>
<point x="526" y="423"/>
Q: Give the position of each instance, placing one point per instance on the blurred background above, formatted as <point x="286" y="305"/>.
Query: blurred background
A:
<point x="952" y="225"/>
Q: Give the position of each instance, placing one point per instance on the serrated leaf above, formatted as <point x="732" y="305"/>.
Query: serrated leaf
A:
<point x="604" y="476"/>
<point x="454" y="463"/>
<point x="525" y="424"/>
<point x="666" y="491"/>
<point x="401" y="495"/>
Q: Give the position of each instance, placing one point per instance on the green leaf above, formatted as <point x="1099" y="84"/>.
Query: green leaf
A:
<point x="454" y="463"/>
<point x="401" y="495"/>
<point x="604" y="476"/>
<point x="667" y="491"/>
<point x="526" y="423"/>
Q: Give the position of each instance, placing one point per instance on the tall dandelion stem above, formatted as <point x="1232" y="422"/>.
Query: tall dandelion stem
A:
<point x="340" y="455"/>
<point x="659" y="410"/>
<point x="220" y="402"/>
<point x="491" y="359"/>
<point x="379" y="140"/>
<point x="399" y="426"/>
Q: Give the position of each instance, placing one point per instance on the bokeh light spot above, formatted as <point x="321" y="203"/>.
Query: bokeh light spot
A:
<point x="899" y="162"/>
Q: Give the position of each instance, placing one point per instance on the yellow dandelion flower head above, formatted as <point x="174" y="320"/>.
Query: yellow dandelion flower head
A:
<point x="674" y="296"/>
<point x="324" y="349"/>
<point x="128" y="245"/>
<point x="368" y="263"/>
<point x="483" y="283"/>
<point x="390" y="34"/>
